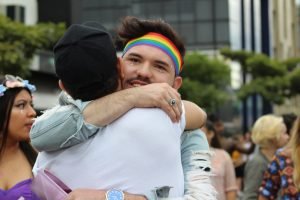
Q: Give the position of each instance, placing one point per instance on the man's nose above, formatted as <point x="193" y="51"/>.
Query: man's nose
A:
<point x="145" y="70"/>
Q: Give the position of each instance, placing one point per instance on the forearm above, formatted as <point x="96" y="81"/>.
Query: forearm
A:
<point x="105" y="110"/>
<point x="194" y="115"/>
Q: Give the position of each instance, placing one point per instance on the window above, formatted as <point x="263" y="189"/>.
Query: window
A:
<point x="187" y="10"/>
<point x="222" y="31"/>
<point x="188" y="32"/>
<point x="205" y="32"/>
<point x="171" y="11"/>
<point x="204" y="10"/>
<point x="222" y="9"/>
<point x="16" y="13"/>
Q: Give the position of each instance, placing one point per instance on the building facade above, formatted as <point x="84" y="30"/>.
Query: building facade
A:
<point x="42" y="68"/>
<point x="286" y="48"/>
<point x="284" y="27"/>
<point x="203" y="24"/>
<point x="22" y="11"/>
<point x="267" y="26"/>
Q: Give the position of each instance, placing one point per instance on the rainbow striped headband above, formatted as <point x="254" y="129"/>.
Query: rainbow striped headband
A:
<point x="161" y="42"/>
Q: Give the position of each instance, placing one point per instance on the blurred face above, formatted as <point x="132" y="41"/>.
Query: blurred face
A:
<point x="219" y="127"/>
<point x="21" y="117"/>
<point x="209" y="134"/>
<point x="145" y="64"/>
<point x="284" y="137"/>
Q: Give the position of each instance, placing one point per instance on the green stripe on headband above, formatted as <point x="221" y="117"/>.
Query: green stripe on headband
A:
<point x="161" y="42"/>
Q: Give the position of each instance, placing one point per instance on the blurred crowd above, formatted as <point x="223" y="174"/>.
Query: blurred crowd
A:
<point x="262" y="163"/>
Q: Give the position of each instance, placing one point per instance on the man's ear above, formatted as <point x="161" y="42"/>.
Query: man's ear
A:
<point x="120" y="66"/>
<point x="121" y="73"/>
<point x="177" y="82"/>
<point x="61" y="85"/>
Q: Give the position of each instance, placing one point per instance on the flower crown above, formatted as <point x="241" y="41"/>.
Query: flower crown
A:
<point x="11" y="81"/>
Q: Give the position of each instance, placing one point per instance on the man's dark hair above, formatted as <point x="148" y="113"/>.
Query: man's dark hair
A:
<point x="132" y="27"/>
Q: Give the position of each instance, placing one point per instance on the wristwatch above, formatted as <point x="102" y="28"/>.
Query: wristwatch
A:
<point x="114" y="194"/>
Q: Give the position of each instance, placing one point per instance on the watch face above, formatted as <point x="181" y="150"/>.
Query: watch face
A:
<point x="114" y="195"/>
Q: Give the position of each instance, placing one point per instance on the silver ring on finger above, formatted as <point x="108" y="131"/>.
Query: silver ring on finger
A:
<point x="172" y="102"/>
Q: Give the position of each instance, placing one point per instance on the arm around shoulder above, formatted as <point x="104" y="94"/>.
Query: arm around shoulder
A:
<point x="60" y="127"/>
<point x="194" y="115"/>
<point x="114" y="105"/>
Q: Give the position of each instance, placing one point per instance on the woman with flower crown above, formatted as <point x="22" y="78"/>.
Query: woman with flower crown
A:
<point x="16" y="155"/>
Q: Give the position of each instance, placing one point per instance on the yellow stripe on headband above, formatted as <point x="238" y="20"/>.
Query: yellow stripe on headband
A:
<point x="159" y="41"/>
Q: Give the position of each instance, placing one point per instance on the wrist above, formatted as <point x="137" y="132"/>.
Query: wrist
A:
<point x="131" y="96"/>
<point x="128" y="196"/>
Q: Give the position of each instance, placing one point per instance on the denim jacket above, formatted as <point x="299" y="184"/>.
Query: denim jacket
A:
<point x="67" y="120"/>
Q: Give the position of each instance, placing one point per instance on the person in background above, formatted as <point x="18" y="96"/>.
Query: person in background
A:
<point x="269" y="133"/>
<point x="226" y="142"/>
<point x="17" y="157"/>
<point x="217" y="123"/>
<point x="289" y="120"/>
<point x="223" y="178"/>
<point x="242" y="148"/>
<point x="278" y="178"/>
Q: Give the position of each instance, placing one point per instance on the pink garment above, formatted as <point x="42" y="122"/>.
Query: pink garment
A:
<point x="49" y="187"/>
<point x="223" y="173"/>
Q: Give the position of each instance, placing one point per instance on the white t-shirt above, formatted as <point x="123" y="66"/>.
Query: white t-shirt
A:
<point x="136" y="153"/>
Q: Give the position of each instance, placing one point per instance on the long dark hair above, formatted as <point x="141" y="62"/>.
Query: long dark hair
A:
<point x="6" y="105"/>
<point x="215" y="141"/>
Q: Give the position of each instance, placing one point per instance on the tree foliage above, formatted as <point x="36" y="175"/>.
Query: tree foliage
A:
<point x="205" y="81"/>
<point x="19" y="43"/>
<point x="240" y="56"/>
<point x="270" y="78"/>
<point x="294" y="78"/>
<point x="260" y="65"/>
<point x="291" y="63"/>
<point x="270" y="88"/>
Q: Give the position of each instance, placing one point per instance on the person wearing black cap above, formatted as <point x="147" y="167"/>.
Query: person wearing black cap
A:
<point x="84" y="46"/>
<point x="86" y="62"/>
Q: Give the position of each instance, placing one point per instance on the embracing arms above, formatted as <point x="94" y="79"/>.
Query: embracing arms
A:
<point x="73" y="122"/>
<point x="105" y="110"/>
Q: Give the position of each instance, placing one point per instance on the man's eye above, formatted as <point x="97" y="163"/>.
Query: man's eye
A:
<point x="162" y="68"/>
<point x="134" y="60"/>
